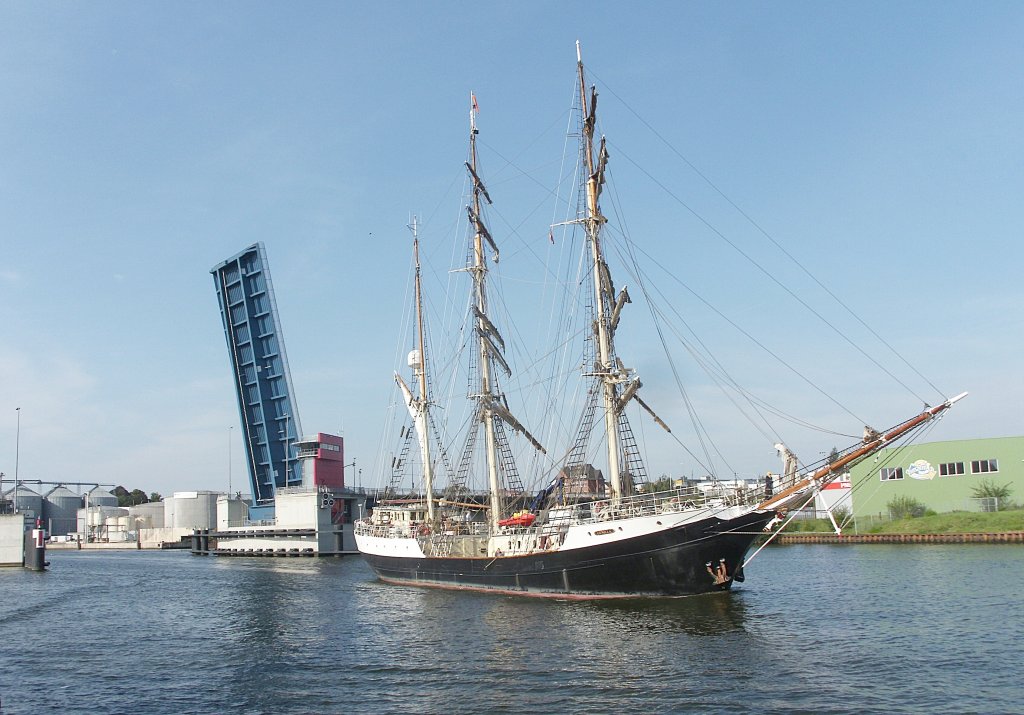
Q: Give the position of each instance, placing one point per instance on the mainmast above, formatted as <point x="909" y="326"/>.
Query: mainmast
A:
<point x="419" y="405"/>
<point x="493" y="410"/>
<point x="484" y="327"/>
<point x="606" y="369"/>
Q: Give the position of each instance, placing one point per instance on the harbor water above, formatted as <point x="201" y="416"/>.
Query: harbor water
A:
<point x="814" y="629"/>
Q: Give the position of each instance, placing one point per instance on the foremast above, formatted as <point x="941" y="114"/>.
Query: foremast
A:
<point x="607" y="306"/>
<point x="419" y="405"/>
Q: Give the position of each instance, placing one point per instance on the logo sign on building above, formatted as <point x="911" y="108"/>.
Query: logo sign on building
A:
<point x="921" y="469"/>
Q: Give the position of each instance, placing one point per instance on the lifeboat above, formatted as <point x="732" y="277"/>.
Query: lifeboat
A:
<point x="520" y="518"/>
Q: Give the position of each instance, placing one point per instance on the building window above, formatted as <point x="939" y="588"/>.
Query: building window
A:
<point x="983" y="466"/>
<point x="951" y="469"/>
<point x="888" y="474"/>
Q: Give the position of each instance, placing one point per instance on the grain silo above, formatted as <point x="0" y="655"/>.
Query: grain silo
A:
<point x="26" y="501"/>
<point x="100" y="497"/>
<point x="60" y="509"/>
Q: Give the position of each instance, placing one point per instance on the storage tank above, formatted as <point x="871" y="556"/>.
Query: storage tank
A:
<point x="101" y="497"/>
<point x="60" y="509"/>
<point x="27" y="500"/>
<point x="148" y="516"/>
<point x="169" y="503"/>
<point x="97" y="518"/>
<point x="195" y="510"/>
<point x="116" y="528"/>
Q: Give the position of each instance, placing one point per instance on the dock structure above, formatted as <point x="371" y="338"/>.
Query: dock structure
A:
<point x="22" y="542"/>
<point x="307" y="523"/>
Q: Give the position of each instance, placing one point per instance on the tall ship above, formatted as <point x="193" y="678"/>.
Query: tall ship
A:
<point x="586" y="532"/>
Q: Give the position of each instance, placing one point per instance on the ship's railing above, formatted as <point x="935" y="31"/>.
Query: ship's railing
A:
<point x="684" y="499"/>
<point x="396" y="530"/>
<point x="666" y="502"/>
<point x="405" y="530"/>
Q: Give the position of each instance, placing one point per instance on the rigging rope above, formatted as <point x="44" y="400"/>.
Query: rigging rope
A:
<point x="774" y="280"/>
<point x="765" y="233"/>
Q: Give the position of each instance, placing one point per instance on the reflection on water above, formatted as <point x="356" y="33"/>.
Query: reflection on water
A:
<point x="708" y="615"/>
<point x="809" y="631"/>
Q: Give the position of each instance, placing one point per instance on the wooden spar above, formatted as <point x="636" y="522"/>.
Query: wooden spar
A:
<point x="464" y="505"/>
<point x="441" y="502"/>
<point x="489" y="327"/>
<point x="661" y="423"/>
<point x="479" y="184"/>
<point x="858" y="454"/>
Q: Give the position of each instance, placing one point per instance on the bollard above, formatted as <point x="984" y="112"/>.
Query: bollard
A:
<point x="35" y="548"/>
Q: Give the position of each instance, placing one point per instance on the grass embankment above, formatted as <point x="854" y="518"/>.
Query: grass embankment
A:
<point x="957" y="522"/>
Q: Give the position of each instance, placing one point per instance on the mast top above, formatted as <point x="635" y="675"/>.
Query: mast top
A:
<point x="579" y="55"/>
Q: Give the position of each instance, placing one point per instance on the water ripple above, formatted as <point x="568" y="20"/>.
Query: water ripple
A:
<point x="814" y="629"/>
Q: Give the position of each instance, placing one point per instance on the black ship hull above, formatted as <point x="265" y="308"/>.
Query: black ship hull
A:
<point x="672" y="562"/>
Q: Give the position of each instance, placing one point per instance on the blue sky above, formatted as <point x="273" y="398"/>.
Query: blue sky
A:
<point x="142" y="143"/>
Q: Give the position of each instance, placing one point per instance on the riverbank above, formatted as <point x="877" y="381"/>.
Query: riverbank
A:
<point x="1004" y="537"/>
<point x="957" y="522"/>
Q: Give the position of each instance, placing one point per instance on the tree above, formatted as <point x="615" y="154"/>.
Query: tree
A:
<point x="904" y="507"/>
<point x="155" y="496"/>
<point x="660" y="485"/>
<point x="133" y="497"/>
<point x="987" y="489"/>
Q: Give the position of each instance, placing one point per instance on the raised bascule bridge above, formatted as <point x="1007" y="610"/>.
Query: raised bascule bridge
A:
<point x="298" y="503"/>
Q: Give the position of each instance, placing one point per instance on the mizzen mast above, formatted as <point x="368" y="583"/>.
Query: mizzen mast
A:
<point x="418" y="406"/>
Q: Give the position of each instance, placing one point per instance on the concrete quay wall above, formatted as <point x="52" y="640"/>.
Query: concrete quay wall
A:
<point x="12" y="540"/>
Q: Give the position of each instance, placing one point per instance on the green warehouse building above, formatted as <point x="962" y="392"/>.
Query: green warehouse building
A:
<point x="940" y="475"/>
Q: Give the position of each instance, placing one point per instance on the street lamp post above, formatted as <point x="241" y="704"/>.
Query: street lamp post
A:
<point x="17" y="454"/>
<point x="287" y="442"/>
<point x="231" y="432"/>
